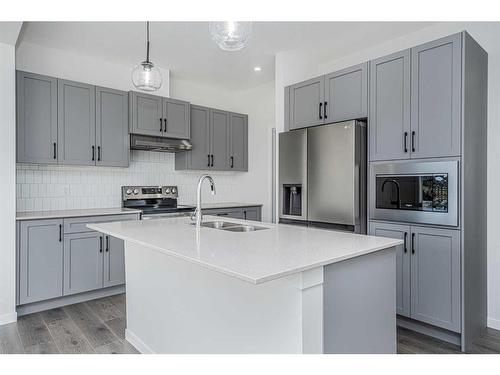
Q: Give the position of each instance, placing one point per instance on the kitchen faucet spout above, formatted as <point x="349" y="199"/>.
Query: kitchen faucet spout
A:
<point x="197" y="216"/>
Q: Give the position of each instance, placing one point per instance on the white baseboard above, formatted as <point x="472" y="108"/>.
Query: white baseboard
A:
<point x="8" y="318"/>
<point x="137" y="343"/>
<point x="494" y="323"/>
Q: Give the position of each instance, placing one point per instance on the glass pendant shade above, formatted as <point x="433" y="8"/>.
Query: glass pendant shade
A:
<point x="230" y="35"/>
<point x="146" y="76"/>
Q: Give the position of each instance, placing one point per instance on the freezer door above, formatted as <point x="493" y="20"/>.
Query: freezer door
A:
<point x="333" y="163"/>
<point x="293" y="175"/>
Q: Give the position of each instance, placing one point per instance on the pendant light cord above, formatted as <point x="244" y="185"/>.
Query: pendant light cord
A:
<point x="147" y="43"/>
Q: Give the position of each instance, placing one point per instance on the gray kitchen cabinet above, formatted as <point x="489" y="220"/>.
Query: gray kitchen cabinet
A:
<point x="244" y="213"/>
<point x="306" y="103"/>
<point x="36" y="118"/>
<point x="76" y="123"/>
<point x="238" y="142"/>
<point x="40" y="260"/>
<point x="287" y="109"/>
<point x="346" y="94"/>
<point x="403" y="255"/>
<point x="158" y="116"/>
<point x="435" y="277"/>
<point x="83" y="262"/>
<point x="389" y="130"/>
<point x="112" y="138"/>
<point x="436" y="108"/>
<point x="252" y="213"/>
<point x="114" y="262"/>
<point x="199" y="157"/>
<point x="219" y="135"/>
<point x="146" y="114"/>
<point x="176" y="116"/>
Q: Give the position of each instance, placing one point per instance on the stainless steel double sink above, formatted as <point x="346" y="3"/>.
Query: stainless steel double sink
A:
<point x="231" y="227"/>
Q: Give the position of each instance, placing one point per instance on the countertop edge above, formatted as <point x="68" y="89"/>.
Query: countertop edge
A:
<point x="255" y="281"/>
<point x="69" y="214"/>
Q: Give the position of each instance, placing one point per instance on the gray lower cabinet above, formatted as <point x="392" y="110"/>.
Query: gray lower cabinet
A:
<point x="244" y="213"/>
<point x="40" y="258"/>
<point x="112" y="139"/>
<point x="114" y="262"/>
<point x="436" y="87"/>
<point x="36" y="118"/>
<point x="435" y="277"/>
<point x="252" y="213"/>
<point x="76" y="123"/>
<point x="306" y="103"/>
<point x="428" y="273"/>
<point x="158" y="116"/>
<point x="346" y="94"/>
<point x="83" y="262"/>
<point x="403" y="255"/>
<point x="389" y="121"/>
<point x="219" y="139"/>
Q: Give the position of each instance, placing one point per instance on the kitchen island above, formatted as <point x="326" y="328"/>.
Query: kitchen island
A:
<point x="278" y="289"/>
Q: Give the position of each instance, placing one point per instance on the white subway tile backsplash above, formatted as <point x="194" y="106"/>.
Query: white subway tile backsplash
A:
<point x="57" y="187"/>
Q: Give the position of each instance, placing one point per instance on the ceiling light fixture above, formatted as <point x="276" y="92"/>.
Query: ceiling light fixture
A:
<point x="146" y="76"/>
<point x="230" y="35"/>
<point x="257" y="69"/>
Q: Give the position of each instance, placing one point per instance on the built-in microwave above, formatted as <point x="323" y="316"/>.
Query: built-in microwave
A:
<point x="415" y="192"/>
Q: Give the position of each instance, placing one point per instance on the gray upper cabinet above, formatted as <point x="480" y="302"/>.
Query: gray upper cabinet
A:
<point x="436" y="98"/>
<point x="176" y="118"/>
<point x="146" y="114"/>
<point x="40" y="260"/>
<point x="76" y="123"/>
<point x="158" y="116"/>
<point x="390" y="107"/>
<point x="219" y="134"/>
<point x="435" y="277"/>
<point x="83" y="262"/>
<point x="36" y="118"/>
<point x="114" y="262"/>
<point x="403" y="280"/>
<point x="199" y="157"/>
<point x="306" y="103"/>
<point x="238" y="142"/>
<point x="346" y="94"/>
<point x="112" y="139"/>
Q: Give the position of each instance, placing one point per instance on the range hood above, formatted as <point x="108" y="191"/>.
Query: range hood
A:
<point x="150" y="143"/>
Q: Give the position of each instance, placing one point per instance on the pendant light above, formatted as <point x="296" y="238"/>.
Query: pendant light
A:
<point x="230" y="35"/>
<point x="146" y="76"/>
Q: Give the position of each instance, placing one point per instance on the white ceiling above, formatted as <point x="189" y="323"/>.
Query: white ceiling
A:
<point x="187" y="50"/>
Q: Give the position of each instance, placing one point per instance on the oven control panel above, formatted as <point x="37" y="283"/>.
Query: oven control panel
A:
<point x="149" y="192"/>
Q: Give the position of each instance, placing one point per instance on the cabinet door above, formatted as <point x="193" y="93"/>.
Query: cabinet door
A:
<point x="436" y="98"/>
<point x="40" y="260"/>
<point x="435" y="277"/>
<point x="76" y="123"/>
<point x="252" y="213"/>
<point x="114" y="262"/>
<point x="199" y="156"/>
<point x="219" y="135"/>
<point x="176" y="119"/>
<point x="83" y="262"/>
<point x="36" y="118"/>
<point x="389" y="128"/>
<point x="346" y="94"/>
<point x="146" y="114"/>
<point x="306" y="103"/>
<point x="238" y="145"/>
<point x="403" y="280"/>
<point x="113" y="146"/>
<point x="236" y="213"/>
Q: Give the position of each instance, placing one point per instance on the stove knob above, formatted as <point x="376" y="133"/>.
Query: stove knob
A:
<point x="174" y="190"/>
<point x="136" y="191"/>
<point x="167" y="190"/>
<point x="129" y="191"/>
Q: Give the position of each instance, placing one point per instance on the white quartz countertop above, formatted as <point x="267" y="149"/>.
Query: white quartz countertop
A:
<point x="207" y="206"/>
<point x="56" y="214"/>
<point x="255" y="257"/>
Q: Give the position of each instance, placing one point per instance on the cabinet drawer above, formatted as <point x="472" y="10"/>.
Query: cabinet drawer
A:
<point x="79" y="224"/>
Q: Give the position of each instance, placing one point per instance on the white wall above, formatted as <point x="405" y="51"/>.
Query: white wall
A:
<point x="294" y="66"/>
<point x="7" y="184"/>
<point x="65" y="187"/>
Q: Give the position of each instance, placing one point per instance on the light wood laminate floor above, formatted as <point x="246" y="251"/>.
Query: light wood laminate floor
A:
<point x="98" y="327"/>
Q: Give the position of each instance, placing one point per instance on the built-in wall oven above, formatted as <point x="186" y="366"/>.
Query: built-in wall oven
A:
<point x="417" y="192"/>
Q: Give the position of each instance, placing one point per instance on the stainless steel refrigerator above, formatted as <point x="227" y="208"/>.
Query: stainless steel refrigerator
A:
<point x="322" y="176"/>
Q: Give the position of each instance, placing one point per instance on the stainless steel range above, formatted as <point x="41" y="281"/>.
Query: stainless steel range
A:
<point x="154" y="201"/>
